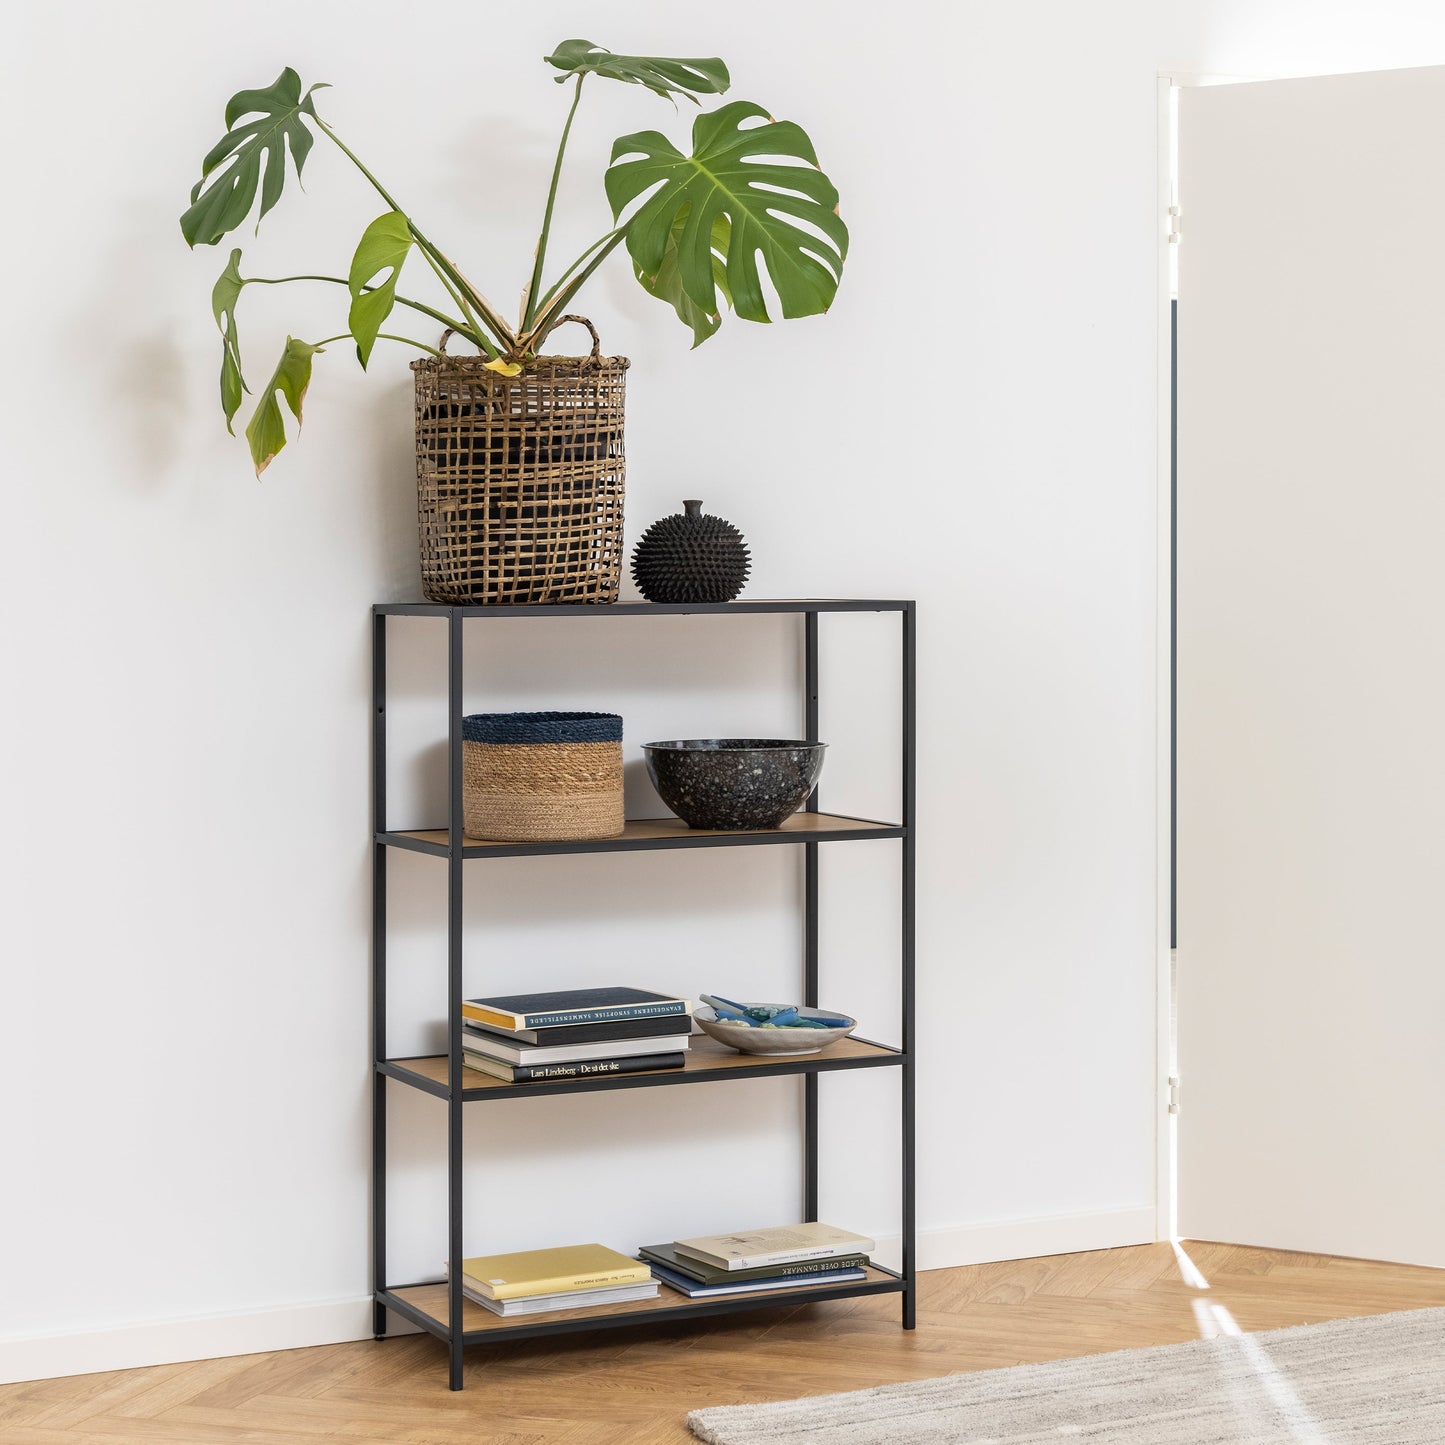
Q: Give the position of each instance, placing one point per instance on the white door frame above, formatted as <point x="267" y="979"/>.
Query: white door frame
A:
<point x="1168" y="84"/>
<point x="1164" y="1190"/>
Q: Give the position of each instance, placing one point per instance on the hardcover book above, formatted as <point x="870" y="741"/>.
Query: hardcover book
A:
<point x="570" y="1006"/>
<point x="800" y="1272"/>
<point x="577" y="1299"/>
<point x="645" y="1028"/>
<point x="695" y="1289"/>
<point x="584" y="1069"/>
<point x="783" y="1244"/>
<point x="551" y="1271"/>
<point x="495" y="1046"/>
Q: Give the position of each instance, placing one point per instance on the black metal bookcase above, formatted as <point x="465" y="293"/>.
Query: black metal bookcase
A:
<point x="441" y="1308"/>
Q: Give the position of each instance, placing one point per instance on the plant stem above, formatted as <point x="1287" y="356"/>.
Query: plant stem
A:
<point x="473" y="327"/>
<point x="356" y="161"/>
<point x="437" y="261"/>
<point x="562" y="294"/>
<point x="444" y="267"/>
<point x="460" y="327"/>
<point x="406" y="340"/>
<point x="381" y="336"/>
<point x="529" y="311"/>
<point x="562" y="279"/>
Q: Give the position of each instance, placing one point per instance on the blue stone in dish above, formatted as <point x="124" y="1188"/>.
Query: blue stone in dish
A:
<point x="734" y="784"/>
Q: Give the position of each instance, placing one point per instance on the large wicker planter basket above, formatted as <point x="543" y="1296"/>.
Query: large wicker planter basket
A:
<point x="520" y="478"/>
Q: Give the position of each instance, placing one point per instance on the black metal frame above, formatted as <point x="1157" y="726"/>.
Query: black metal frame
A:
<point x="456" y="852"/>
<point x="415" y="843"/>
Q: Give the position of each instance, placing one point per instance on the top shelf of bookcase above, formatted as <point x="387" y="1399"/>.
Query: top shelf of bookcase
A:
<point x="748" y="607"/>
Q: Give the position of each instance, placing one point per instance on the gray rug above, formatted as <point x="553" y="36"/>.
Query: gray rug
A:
<point x="1374" y="1381"/>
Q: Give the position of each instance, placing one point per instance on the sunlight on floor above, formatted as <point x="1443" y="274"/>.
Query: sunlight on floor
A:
<point x="1189" y="1272"/>
<point x="1214" y="1320"/>
<point x="1283" y="1405"/>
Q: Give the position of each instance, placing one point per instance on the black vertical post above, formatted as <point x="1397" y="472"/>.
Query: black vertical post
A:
<point x="910" y="731"/>
<point x="454" y="994"/>
<point x="810" y="921"/>
<point x="1174" y="624"/>
<point x="378" y="971"/>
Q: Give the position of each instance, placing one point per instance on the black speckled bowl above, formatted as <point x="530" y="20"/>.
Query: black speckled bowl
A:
<point x="734" y="784"/>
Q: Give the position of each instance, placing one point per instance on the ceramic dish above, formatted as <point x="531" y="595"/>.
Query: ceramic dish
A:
<point x="771" y="1041"/>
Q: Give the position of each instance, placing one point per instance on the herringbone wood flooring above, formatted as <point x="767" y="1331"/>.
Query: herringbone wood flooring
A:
<point x="627" y="1387"/>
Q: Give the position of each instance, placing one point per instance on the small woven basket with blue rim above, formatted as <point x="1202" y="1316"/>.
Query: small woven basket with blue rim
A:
<point x="541" y="777"/>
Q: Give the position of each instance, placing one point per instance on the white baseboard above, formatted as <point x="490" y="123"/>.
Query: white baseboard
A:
<point x="1025" y="1238"/>
<point x="197" y="1337"/>
<point x="330" y="1322"/>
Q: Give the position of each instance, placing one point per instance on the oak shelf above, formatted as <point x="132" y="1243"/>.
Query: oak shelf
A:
<point x="426" y="1305"/>
<point x="646" y="834"/>
<point x="707" y="1061"/>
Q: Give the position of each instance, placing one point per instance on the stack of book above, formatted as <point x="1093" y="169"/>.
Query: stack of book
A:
<point x="539" y="1280"/>
<point x="575" y="1034"/>
<point x="790" y="1256"/>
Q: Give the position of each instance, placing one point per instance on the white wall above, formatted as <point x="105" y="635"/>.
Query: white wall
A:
<point x="185" y="651"/>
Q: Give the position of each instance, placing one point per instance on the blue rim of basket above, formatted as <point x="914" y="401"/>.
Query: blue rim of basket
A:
<point x="542" y="727"/>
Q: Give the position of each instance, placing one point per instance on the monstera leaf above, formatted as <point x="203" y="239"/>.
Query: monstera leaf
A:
<point x="266" y="431"/>
<point x="224" y="295"/>
<point x="666" y="284"/>
<point x="658" y="73"/>
<point x="764" y="181"/>
<point x="382" y="249"/>
<point x="254" y="157"/>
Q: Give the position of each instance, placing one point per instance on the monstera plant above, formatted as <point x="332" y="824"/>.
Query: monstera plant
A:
<point x="700" y="228"/>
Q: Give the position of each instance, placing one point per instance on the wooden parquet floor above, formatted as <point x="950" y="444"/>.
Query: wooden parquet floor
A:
<point x="633" y="1387"/>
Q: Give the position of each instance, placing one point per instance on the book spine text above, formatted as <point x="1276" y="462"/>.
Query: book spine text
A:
<point x="601" y="1015"/>
<point x="583" y="1069"/>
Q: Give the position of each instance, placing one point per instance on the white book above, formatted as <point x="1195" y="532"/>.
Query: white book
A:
<point x="495" y="1048"/>
<point x="783" y="1244"/>
<point x="577" y="1299"/>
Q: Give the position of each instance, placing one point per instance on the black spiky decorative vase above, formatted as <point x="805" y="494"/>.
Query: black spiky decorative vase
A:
<point x="691" y="557"/>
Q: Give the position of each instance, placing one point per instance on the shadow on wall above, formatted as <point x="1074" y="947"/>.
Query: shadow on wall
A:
<point x="148" y="378"/>
<point x="389" y="486"/>
<point x="135" y="366"/>
<point x="144" y="388"/>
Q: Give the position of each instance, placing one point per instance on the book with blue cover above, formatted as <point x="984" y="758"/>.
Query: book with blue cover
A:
<point x="656" y="1026"/>
<point x="695" y="1289"/>
<point x="668" y="1256"/>
<point x="570" y="1006"/>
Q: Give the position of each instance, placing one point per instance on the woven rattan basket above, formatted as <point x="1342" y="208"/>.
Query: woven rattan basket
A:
<point x="520" y="478"/>
<point x="541" y="777"/>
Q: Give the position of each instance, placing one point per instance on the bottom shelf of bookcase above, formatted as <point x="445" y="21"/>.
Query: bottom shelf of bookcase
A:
<point x="426" y="1305"/>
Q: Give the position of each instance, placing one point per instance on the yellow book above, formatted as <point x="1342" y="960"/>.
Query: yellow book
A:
<point x="551" y="1271"/>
